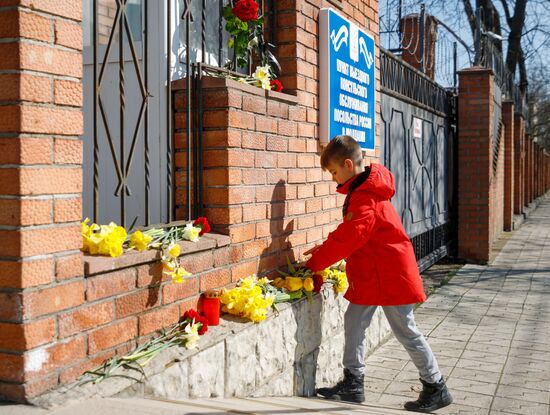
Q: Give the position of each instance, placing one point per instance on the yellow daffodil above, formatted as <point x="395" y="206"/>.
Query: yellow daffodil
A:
<point x="174" y="250"/>
<point x="191" y="233"/>
<point x="140" y="241"/>
<point x="178" y="274"/>
<point x="308" y="284"/>
<point x="293" y="283"/>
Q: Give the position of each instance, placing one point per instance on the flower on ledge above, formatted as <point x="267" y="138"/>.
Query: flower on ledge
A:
<point x="276" y="85"/>
<point x="202" y="223"/>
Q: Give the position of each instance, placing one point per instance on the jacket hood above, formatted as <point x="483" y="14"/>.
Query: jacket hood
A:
<point x="379" y="181"/>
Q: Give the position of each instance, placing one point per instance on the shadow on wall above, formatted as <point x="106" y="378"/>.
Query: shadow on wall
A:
<point x="279" y="248"/>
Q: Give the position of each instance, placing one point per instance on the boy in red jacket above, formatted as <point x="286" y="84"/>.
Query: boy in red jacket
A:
<point x="381" y="269"/>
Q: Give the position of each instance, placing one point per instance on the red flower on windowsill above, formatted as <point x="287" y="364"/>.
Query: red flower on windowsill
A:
<point x="246" y="10"/>
<point x="203" y="224"/>
<point x="276" y="85"/>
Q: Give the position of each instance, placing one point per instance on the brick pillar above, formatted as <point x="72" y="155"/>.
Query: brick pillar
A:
<point x="40" y="191"/>
<point x="519" y="158"/>
<point x="509" y="173"/>
<point x="411" y="42"/>
<point x="527" y="176"/>
<point x="475" y="112"/>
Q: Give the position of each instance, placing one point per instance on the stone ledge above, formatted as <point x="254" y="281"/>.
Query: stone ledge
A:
<point x="100" y="264"/>
<point x="290" y="353"/>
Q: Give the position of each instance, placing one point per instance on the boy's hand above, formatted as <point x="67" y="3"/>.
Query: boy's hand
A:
<point x="312" y="250"/>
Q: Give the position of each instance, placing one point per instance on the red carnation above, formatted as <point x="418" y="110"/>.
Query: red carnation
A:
<point x="276" y="85"/>
<point x="202" y="223"/>
<point x="246" y="10"/>
<point x="204" y="325"/>
<point x="191" y="315"/>
<point x="317" y="283"/>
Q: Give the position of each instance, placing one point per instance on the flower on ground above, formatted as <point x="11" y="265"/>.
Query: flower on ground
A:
<point x="249" y="299"/>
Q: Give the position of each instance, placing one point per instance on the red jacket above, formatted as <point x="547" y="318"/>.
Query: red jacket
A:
<point x="381" y="265"/>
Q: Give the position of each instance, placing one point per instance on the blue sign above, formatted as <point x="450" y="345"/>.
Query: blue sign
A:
<point x="347" y="80"/>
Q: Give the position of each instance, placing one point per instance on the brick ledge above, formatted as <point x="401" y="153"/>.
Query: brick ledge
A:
<point x="100" y="264"/>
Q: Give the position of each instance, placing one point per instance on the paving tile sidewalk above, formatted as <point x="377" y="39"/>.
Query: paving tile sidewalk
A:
<point x="490" y="330"/>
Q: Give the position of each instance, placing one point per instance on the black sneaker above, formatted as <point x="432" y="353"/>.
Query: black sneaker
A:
<point x="433" y="396"/>
<point x="349" y="389"/>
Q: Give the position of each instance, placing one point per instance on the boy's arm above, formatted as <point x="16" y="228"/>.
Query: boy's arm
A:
<point x="349" y="236"/>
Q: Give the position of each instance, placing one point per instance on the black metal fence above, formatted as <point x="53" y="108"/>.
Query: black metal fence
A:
<point x="418" y="124"/>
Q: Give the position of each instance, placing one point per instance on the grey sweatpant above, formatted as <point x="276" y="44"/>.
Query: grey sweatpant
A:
<point x="401" y="318"/>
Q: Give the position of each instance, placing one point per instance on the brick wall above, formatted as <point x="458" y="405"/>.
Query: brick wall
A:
<point x="475" y="111"/>
<point x="519" y="163"/>
<point x="40" y="191"/>
<point x="509" y="172"/>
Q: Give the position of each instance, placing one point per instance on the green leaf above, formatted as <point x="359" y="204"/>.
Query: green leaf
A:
<point x="290" y="267"/>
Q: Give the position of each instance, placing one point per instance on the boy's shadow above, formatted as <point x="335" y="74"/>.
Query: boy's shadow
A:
<point x="274" y="256"/>
<point x="306" y="314"/>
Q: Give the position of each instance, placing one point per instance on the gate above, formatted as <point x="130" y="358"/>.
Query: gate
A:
<point x="417" y="134"/>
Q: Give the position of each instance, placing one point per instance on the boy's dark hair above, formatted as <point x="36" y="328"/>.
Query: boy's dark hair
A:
<point x="340" y="148"/>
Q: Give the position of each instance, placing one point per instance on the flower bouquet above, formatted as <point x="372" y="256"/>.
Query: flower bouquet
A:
<point x="302" y="281"/>
<point x="185" y="333"/>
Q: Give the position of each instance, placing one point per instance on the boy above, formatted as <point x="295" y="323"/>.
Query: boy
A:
<point x="381" y="270"/>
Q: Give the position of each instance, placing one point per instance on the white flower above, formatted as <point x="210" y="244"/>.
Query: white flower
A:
<point x="261" y="73"/>
<point x="191" y="233"/>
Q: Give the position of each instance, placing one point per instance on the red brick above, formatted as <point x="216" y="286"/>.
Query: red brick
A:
<point x="174" y="292"/>
<point x="197" y="262"/>
<point x="240" y="119"/>
<point x="242" y="233"/>
<point x="112" y="335"/>
<point x="21" y="392"/>
<point x="244" y="269"/>
<point x="67" y="210"/>
<point x="40" y="241"/>
<point x="41" y="58"/>
<point x="215" y="279"/>
<point x="25" y="87"/>
<point x="73" y="372"/>
<point x="25" y="151"/>
<point x="17" y="23"/>
<point x="50" y="300"/>
<point x="254" y="249"/>
<point x="158" y="319"/>
<point x="85" y="318"/>
<point x="150" y="275"/>
<point x="137" y="302"/>
<point x="70" y="10"/>
<point x="21" y="337"/>
<point x="69" y="266"/>
<point x="25" y="212"/>
<point x="238" y="195"/>
<point x="68" y="93"/>
<point x="110" y="284"/>
<point x="40" y="181"/>
<point x="254" y="212"/>
<point x="25" y="274"/>
<point x="46" y="360"/>
<point x="68" y="34"/>
<point x="12" y="367"/>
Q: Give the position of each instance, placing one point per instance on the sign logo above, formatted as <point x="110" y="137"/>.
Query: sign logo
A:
<point x="347" y="78"/>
